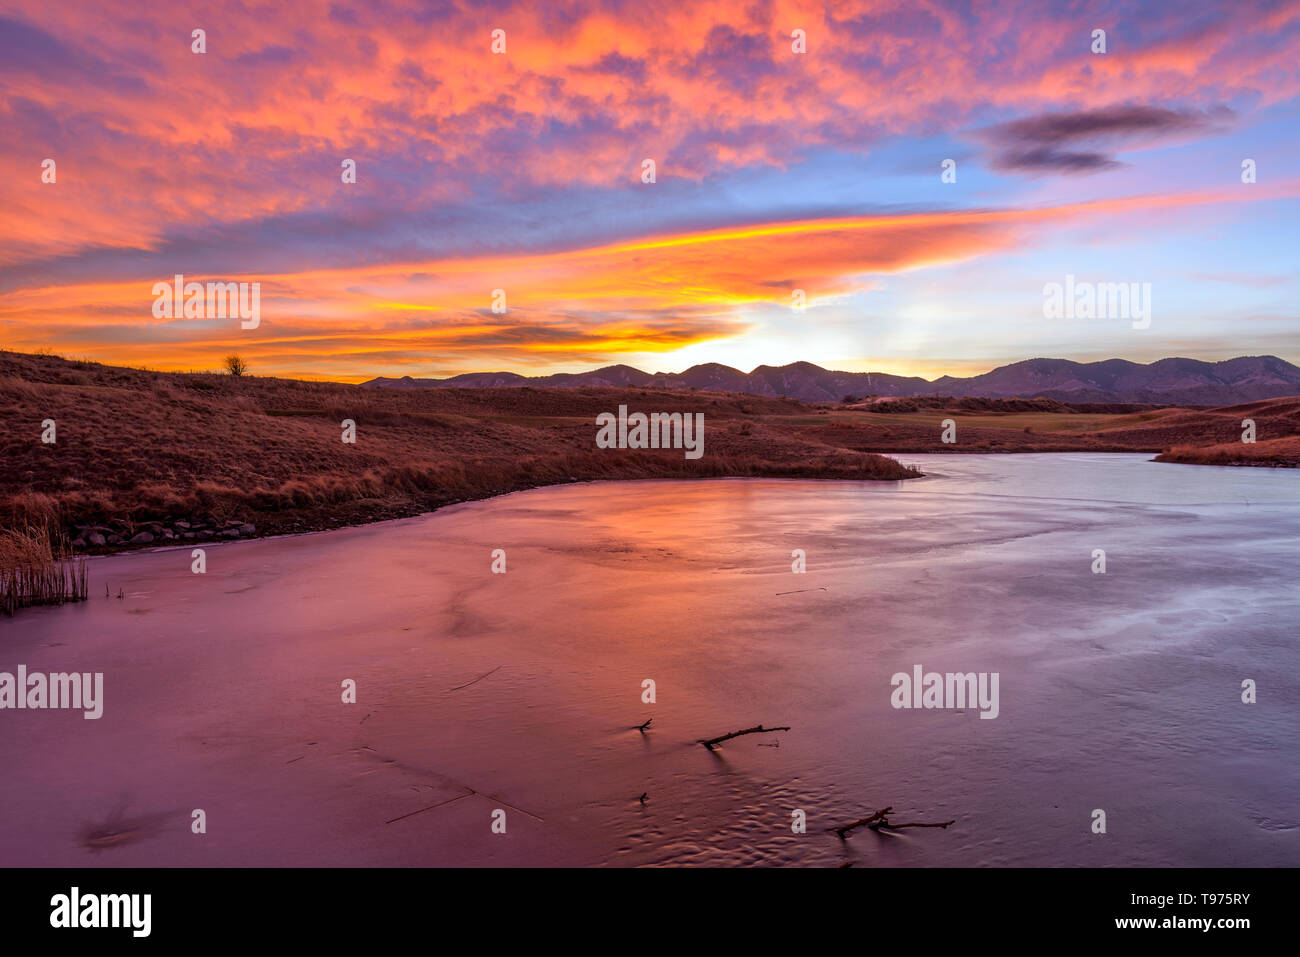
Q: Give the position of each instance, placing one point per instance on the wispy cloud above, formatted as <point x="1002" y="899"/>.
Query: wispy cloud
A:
<point x="1086" y="141"/>
<point x="648" y="296"/>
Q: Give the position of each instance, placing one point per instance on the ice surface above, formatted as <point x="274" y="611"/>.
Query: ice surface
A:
<point x="1118" y="691"/>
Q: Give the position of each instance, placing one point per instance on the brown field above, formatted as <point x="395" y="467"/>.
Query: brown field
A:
<point x="1006" y="425"/>
<point x="1277" y="453"/>
<point x="138" y="450"/>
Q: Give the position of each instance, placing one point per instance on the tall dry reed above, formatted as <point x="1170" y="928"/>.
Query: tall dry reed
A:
<point x="37" y="568"/>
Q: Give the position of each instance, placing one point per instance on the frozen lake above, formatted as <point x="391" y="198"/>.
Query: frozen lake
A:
<point x="1118" y="691"/>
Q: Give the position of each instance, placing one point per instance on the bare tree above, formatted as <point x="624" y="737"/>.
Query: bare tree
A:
<point x="236" y="365"/>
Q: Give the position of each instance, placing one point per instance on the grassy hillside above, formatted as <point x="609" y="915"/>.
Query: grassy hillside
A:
<point x="1277" y="437"/>
<point x="171" y="457"/>
<point x="220" y="453"/>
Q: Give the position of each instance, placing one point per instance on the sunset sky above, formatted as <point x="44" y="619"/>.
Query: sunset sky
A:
<point x="522" y="171"/>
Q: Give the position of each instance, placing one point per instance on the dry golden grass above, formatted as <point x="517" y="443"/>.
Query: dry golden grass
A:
<point x="36" y="568"/>
<point x="1279" y="453"/>
<point x="136" y="446"/>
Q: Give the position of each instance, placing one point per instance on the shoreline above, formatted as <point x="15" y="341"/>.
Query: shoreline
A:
<point x="303" y="524"/>
<point x="174" y="458"/>
<point x="275" y="530"/>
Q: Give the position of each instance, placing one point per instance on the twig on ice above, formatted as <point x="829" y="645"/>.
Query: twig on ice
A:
<point x="894" y="827"/>
<point x="757" y="729"/>
<point x="478" y="679"/>
<point x="880" y="820"/>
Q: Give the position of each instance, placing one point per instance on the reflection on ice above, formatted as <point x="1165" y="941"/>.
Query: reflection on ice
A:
<point x="522" y="692"/>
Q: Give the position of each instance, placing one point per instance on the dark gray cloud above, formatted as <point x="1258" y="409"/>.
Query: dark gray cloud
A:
<point x="1086" y="141"/>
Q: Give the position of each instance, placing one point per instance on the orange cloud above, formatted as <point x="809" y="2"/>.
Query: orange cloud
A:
<point x="653" y="295"/>
<point x="150" y="135"/>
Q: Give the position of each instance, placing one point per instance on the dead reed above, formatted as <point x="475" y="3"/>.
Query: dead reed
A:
<point x="37" y="568"/>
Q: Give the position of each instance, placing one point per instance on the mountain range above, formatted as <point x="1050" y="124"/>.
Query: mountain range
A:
<point x="1164" y="382"/>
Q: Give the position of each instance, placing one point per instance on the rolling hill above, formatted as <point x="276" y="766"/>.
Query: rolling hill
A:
<point x="1186" y="382"/>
